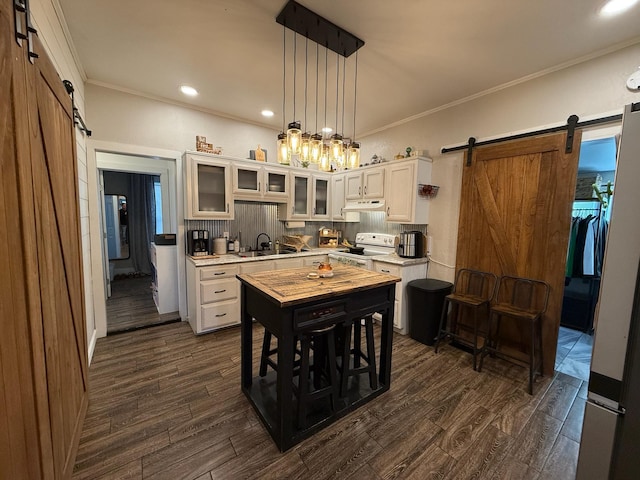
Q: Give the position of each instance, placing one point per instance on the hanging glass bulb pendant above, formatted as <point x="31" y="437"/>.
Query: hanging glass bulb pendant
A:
<point x="337" y="147"/>
<point x="283" y="150"/>
<point x="315" y="146"/>
<point x="294" y="139"/>
<point x="325" y="161"/>
<point x="353" y="155"/>
<point x="305" y="149"/>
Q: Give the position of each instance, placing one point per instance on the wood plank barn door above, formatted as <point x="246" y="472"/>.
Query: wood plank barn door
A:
<point x="515" y="218"/>
<point x="20" y="432"/>
<point x="57" y="231"/>
<point x="43" y="346"/>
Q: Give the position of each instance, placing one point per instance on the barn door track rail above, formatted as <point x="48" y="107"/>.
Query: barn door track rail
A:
<point x="77" y="119"/>
<point x="570" y="127"/>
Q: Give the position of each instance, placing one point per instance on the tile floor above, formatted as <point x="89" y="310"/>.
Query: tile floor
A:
<point x="573" y="356"/>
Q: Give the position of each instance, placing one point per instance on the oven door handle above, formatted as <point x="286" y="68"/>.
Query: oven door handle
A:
<point x="348" y="260"/>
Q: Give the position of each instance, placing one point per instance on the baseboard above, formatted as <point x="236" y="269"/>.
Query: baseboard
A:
<point x="92" y="344"/>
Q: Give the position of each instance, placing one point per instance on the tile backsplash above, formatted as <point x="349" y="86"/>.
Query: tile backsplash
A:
<point x="253" y="218"/>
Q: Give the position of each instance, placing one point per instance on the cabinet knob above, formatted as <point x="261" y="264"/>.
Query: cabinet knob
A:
<point x="388" y="211"/>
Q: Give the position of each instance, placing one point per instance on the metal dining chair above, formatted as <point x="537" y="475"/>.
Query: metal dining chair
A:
<point x="524" y="301"/>
<point x="472" y="292"/>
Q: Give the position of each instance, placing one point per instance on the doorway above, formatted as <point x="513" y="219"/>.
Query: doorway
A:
<point x="590" y="217"/>
<point x="128" y="159"/>
<point x="132" y="217"/>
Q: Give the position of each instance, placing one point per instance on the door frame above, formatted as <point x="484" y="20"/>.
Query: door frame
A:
<point x="168" y="163"/>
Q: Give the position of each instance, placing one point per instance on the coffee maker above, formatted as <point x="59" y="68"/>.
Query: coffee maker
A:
<point x="198" y="243"/>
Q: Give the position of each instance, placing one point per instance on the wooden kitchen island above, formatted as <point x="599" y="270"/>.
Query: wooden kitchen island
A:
<point x="277" y="300"/>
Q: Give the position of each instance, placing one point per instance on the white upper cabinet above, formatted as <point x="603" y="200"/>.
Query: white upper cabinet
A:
<point x="298" y="206"/>
<point x="402" y="199"/>
<point x="338" y="200"/>
<point x="260" y="182"/>
<point x="208" y="188"/>
<point x="310" y="197"/>
<point x="365" y="184"/>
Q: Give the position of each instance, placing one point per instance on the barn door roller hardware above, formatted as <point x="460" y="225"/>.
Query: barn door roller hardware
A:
<point x="570" y="127"/>
<point x="77" y="119"/>
<point x="22" y="7"/>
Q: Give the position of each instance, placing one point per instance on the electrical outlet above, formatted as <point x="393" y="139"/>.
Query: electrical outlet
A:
<point x="225" y="235"/>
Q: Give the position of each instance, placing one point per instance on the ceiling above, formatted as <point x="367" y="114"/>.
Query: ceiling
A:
<point x="419" y="55"/>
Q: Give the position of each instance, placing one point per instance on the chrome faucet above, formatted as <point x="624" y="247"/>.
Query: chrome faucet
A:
<point x="263" y="244"/>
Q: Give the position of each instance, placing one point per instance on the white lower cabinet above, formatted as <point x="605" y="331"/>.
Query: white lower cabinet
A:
<point x="212" y="297"/>
<point x="407" y="273"/>
<point x="213" y="292"/>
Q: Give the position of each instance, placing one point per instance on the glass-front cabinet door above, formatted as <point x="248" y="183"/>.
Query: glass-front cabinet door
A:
<point x="208" y="188"/>
<point x="320" y="209"/>
<point x="301" y="196"/>
<point x="247" y="180"/>
<point x="276" y="182"/>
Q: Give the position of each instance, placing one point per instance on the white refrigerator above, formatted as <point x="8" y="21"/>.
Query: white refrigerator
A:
<point x="610" y="444"/>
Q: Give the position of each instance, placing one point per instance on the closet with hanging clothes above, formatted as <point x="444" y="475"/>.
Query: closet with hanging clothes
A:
<point x="585" y="255"/>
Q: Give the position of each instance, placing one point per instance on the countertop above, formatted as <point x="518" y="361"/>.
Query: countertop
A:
<point x="233" y="258"/>
<point x="293" y="286"/>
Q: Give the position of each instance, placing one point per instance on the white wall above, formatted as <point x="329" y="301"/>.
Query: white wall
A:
<point x="588" y="90"/>
<point x="125" y="118"/>
<point x="46" y="16"/>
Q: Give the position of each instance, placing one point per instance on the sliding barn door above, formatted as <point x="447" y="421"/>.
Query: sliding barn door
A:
<point x="20" y="432"/>
<point x="515" y="217"/>
<point x="43" y="350"/>
<point x="57" y="232"/>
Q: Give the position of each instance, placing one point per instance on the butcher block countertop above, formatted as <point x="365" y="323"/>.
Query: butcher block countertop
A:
<point x="292" y="286"/>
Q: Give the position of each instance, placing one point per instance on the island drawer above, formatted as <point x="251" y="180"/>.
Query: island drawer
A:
<point x="218" y="290"/>
<point x="218" y="271"/>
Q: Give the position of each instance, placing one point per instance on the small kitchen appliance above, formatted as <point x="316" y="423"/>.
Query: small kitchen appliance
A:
<point x="411" y="244"/>
<point x="198" y="243"/>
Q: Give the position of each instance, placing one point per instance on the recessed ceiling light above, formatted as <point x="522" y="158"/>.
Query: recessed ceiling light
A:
<point x="267" y="113"/>
<point x="187" y="90"/>
<point x="327" y="130"/>
<point x="613" y="7"/>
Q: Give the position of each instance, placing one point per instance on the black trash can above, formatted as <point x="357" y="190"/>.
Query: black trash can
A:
<point x="426" y="298"/>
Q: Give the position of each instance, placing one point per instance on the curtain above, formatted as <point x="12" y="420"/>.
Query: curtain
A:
<point x="142" y="220"/>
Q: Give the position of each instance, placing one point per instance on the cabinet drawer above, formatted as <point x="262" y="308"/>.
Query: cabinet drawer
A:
<point x="220" y="314"/>
<point x="289" y="263"/>
<point x="387" y="268"/>
<point x="394" y="270"/>
<point x="253" y="267"/>
<point x="219" y="271"/>
<point x="218" y="290"/>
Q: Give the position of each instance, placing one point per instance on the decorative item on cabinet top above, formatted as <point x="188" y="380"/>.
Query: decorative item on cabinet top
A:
<point x="203" y="146"/>
<point x="428" y="191"/>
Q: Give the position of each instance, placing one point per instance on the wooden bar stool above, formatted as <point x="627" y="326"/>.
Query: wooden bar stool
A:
<point x="325" y="376"/>
<point x="473" y="291"/>
<point x="370" y="358"/>
<point x="524" y="301"/>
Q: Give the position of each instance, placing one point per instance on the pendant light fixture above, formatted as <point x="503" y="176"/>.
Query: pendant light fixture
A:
<point x="305" y="138"/>
<point x="353" y="156"/>
<point x="305" y="147"/>
<point x="315" y="145"/>
<point x="336" y="139"/>
<point x="293" y="130"/>
<point x="282" y="149"/>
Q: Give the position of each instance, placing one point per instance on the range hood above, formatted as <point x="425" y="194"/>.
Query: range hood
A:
<point x="364" y="206"/>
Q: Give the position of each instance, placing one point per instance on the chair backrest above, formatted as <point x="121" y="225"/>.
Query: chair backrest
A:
<point x="523" y="293"/>
<point x="476" y="283"/>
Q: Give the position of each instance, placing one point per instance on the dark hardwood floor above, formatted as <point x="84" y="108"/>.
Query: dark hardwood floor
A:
<point x="165" y="404"/>
<point x="131" y="305"/>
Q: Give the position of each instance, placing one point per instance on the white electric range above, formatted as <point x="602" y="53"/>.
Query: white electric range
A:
<point x="374" y="244"/>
